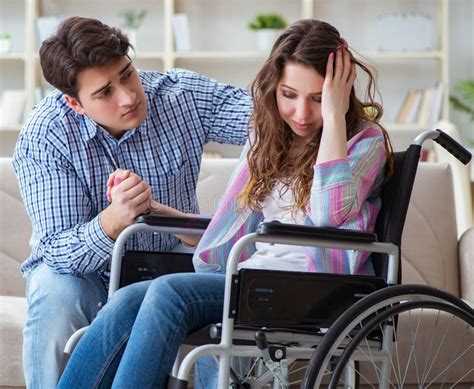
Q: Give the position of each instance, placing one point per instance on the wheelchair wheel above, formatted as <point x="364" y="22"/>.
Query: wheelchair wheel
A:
<point x="405" y="334"/>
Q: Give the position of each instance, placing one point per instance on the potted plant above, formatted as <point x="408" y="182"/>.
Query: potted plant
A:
<point x="465" y="103"/>
<point x="267" y="26"/>
<point x="132" y="21"/>
<point x="5" y="43"/>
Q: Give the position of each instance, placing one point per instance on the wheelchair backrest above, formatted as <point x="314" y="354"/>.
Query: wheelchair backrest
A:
<point x="396" y="194"/>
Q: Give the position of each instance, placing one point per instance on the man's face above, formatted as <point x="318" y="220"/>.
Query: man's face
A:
<point x="111" y="95"/>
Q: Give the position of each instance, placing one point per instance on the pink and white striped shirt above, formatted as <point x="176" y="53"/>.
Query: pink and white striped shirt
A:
<point x="345" y="193"/>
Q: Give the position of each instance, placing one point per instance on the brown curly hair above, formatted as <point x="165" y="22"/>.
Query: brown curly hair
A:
<point x="307" y="42"/>
<point x="79" y="44"/>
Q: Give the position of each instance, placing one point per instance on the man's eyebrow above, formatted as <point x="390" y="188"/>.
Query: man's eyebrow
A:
<point x="121" y="72"/>
<point x="311" y="94"/>
<point x="100" y="89"/>
<point x="125" y="68"/>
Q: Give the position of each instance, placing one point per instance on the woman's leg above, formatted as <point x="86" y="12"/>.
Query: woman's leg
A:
<point x="96" y="357"/>
<point x="174" y="305"/>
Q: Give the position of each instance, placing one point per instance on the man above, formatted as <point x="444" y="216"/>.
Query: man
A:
<point x="105" y="116"/>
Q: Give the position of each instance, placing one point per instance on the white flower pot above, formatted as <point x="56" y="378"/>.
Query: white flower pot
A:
<point x="5" y="45"/>
<point x="132" y="36"/>
<point x="266" y="37"/>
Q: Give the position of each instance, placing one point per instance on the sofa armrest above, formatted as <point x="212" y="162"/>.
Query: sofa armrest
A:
<point x="466" y="265"/>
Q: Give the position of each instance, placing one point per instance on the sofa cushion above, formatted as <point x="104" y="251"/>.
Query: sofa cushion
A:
<point x="429" y="242"/>
<point x="213" y="178"/>
<point x="15" y="233"/>
<point x="12" y="320"/>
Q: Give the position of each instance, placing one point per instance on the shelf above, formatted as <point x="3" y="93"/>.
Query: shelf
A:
<point x="375" y="55"/>
<point x="9" y="130"/>
<point x="380" y="55"/>
<point x="13" y="56"/>
<point x="405" y="127"/>
<point x="149" y="55"/>
<point x="221" y="55"/>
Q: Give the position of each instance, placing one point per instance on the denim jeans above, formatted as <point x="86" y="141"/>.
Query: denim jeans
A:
<point x="135" y="338"/>
<point x="58" y="305"/>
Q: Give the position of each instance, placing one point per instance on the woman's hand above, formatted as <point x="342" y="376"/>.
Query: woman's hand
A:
<point x="131" y="197"/>
<point x="164" y="210"/>
<point x="337" y="86"/>
<point x="116" y="178"/>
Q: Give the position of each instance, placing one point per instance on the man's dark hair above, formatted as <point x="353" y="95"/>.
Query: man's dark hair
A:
<point x="79" y="44"/>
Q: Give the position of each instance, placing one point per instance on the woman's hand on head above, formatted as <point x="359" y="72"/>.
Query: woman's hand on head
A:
<point x="338" y="83"/>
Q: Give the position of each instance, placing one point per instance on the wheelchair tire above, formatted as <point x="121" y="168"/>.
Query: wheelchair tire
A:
<point x="340" y="335"/>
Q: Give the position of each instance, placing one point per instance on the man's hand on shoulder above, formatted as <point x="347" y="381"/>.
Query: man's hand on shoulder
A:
<point x="130" y="196"/>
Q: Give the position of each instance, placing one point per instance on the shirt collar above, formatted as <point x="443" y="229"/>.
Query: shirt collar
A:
<point x="91" y="128"/>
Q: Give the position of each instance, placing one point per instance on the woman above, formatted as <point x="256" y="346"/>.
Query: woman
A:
<point x="316" y="155"/>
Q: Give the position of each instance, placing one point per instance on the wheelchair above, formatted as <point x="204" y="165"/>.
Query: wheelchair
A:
<point x="328" y="330"/>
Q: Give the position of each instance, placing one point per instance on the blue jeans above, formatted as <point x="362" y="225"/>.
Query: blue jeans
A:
<point x="135" y="338"/>
<point x="58" y="305"/>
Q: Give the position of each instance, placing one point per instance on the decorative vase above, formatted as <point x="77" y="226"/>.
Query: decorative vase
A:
<point x="5" y="44"/>
<point x="132" y="37"/>
<point x="266" y="37"/>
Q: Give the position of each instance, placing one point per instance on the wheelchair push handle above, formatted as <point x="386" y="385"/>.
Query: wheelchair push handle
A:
<point x="447" y="142"/>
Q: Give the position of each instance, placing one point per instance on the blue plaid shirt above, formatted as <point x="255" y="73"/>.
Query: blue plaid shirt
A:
<point x="63" y="160"/>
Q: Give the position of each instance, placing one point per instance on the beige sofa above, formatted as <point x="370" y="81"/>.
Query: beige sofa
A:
<point x="431" y="252"/>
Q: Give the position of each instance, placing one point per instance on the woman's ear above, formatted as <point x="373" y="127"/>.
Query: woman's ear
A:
<point x="74" y="104"/>
<point x="344" y="43"/>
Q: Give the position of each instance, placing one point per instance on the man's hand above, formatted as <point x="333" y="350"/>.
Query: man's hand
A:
<point x="130" y="196"/>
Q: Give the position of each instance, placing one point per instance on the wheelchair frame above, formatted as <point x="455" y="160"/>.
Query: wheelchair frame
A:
<point x="317" y="237"/>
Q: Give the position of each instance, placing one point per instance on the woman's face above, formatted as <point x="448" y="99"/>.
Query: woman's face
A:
<point x="299" y="100"/>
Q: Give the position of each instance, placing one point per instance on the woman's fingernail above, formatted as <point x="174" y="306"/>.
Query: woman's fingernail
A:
<point x="117" y="181"/>
<point x="109" y="199"/>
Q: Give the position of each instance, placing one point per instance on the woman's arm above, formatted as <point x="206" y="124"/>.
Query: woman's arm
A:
<point x="338" y="83"/>
<point x="342" y="188"/>
<point x="164" y="210"/>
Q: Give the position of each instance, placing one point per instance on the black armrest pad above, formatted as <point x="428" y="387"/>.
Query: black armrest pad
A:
<point x="154" y="219"/>
<point x="299" y="231"/>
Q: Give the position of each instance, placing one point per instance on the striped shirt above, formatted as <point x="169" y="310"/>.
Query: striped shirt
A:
<point x="63" y="159"/>
<point x="345" y="193"/>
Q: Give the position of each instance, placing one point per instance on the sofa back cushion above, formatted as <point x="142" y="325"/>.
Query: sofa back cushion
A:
<point x="213" y="178"/>
<point x="15" y="232"/>
<point x="429" y="242"/>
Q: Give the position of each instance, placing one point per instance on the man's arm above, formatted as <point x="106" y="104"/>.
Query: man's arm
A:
<point x="224" y="110"/>
<point x="68" y="232"/>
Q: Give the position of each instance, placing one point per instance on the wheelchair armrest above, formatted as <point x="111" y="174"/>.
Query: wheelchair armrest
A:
<point x="186" y="222"/>
<point x="309" y="232"/>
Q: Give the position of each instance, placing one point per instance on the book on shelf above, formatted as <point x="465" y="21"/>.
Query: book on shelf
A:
<point x="409" y="107"/>
<point x="426" y="106"/>
<point x="422" y="106"/>
<point x="12" y="108"/>
<point x="182" y="38"/>
<point x="437" y="103"/>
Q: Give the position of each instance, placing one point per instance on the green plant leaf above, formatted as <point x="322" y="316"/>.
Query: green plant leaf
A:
<point x="132" y="19"/>
<point x="270" y="20"/>
<point x="465" y="103"/>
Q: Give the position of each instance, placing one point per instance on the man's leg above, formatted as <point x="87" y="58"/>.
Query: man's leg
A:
<point x="58" y="305"/>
